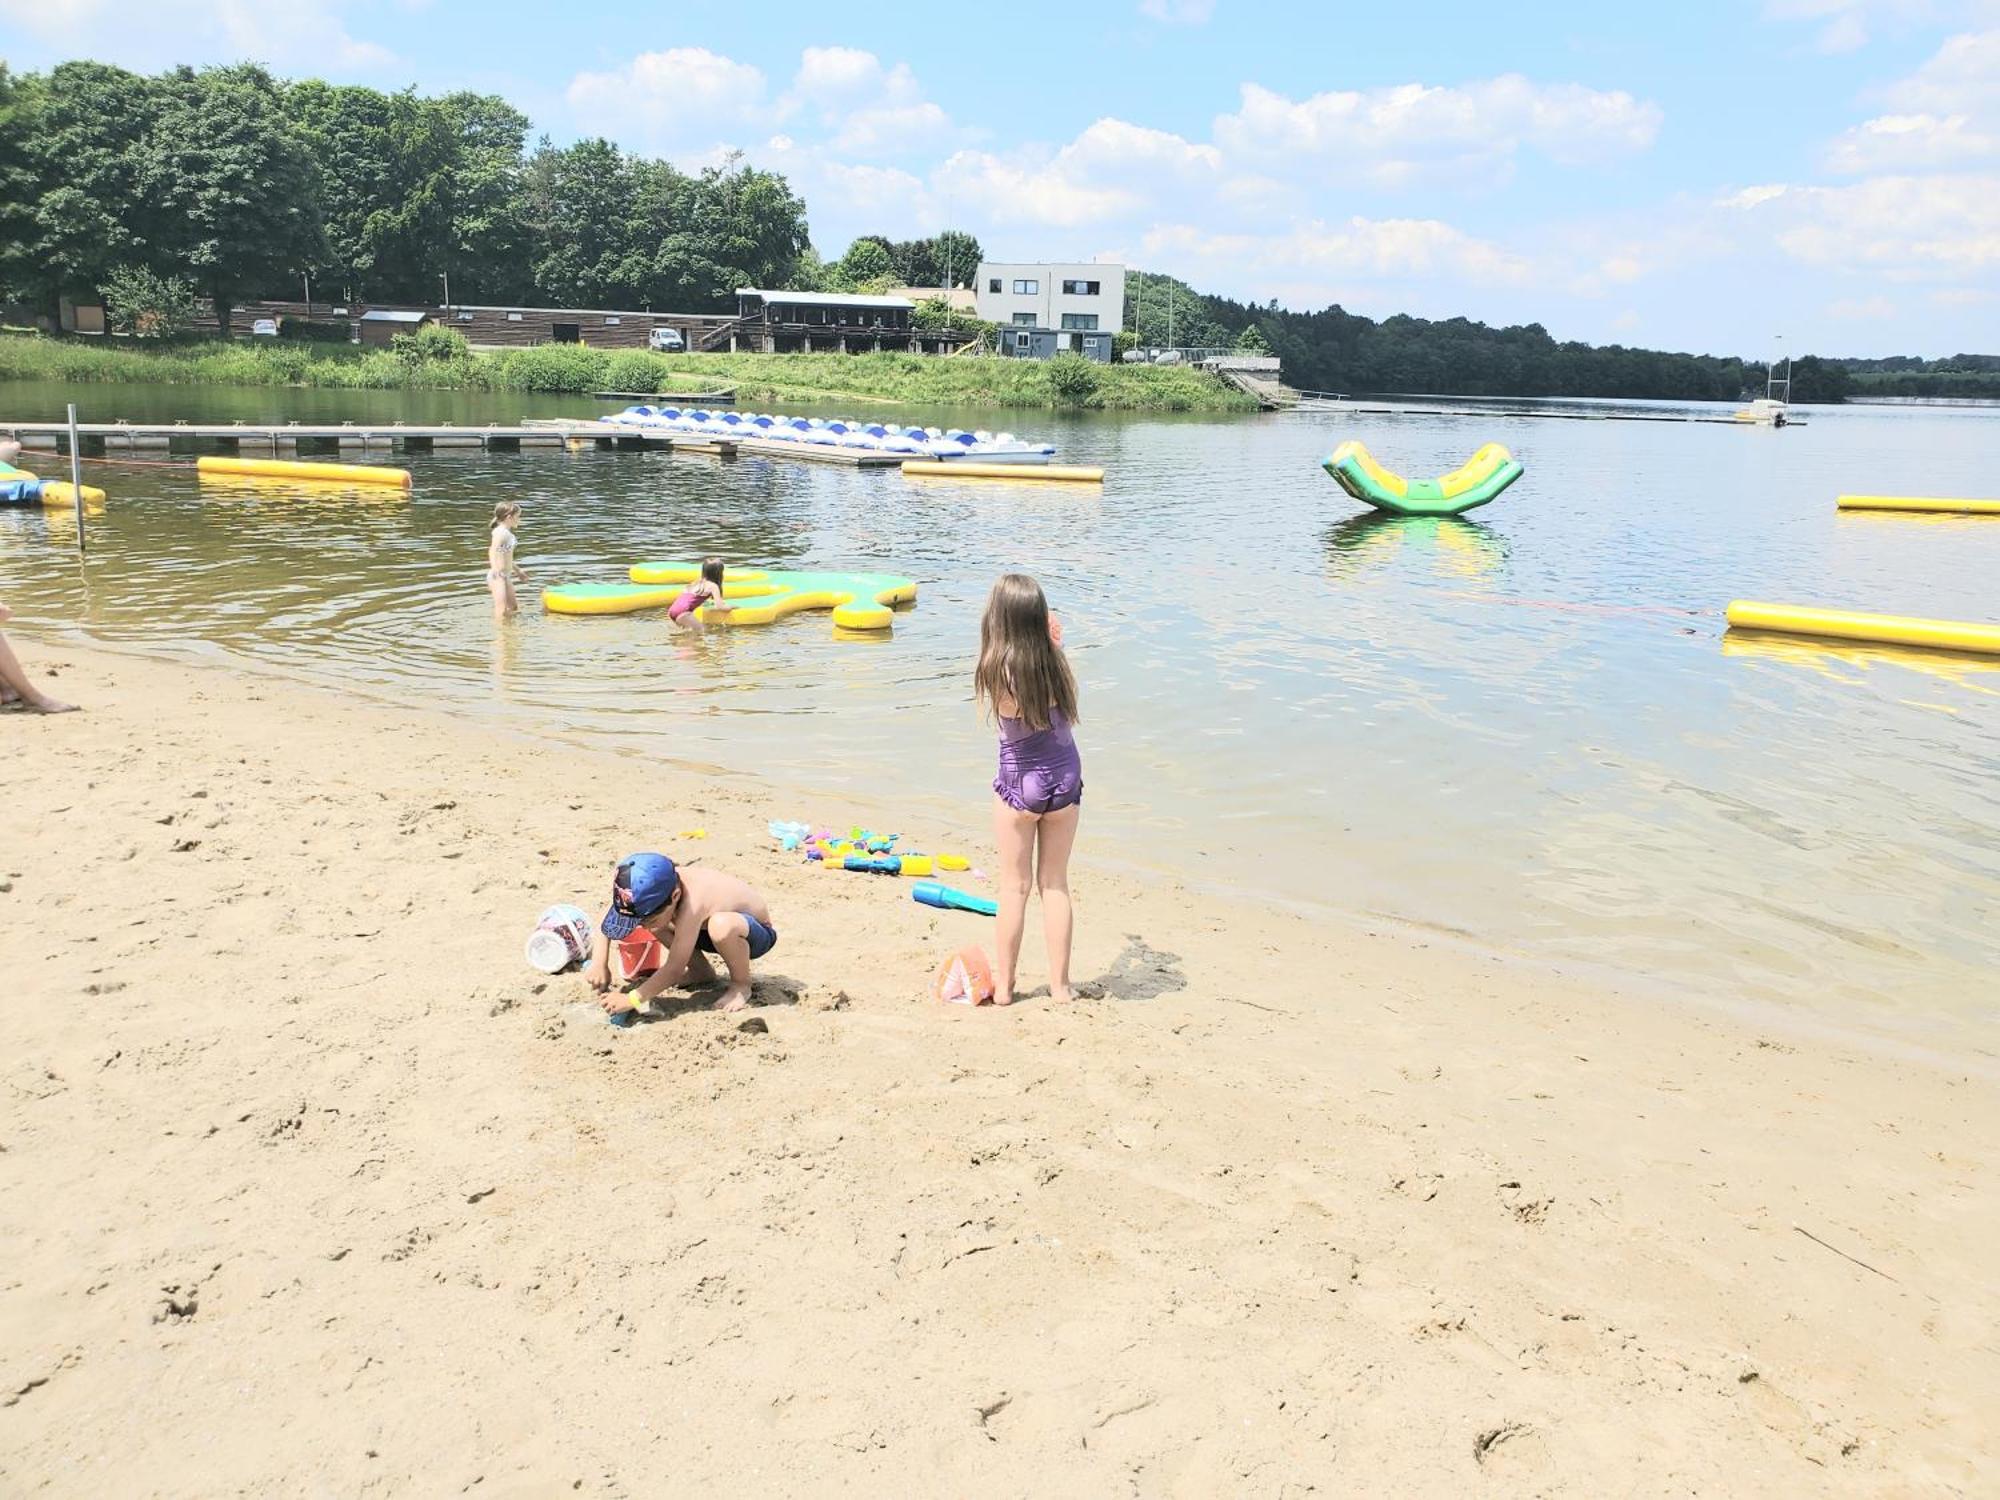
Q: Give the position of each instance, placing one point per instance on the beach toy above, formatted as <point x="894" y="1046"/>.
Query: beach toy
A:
<point x="19" y="487"/>
<point x="1479" y="480"/>
<point x="790" y="835"/>
<point x="561" y="938"/>
<point x="867" y="864"/>
<point x="276" y="468"/>
<point x="965" y="979"/>
<point x="1846" y="625"/>
<point x="913" y="864"/>
<point x="694" y="833"/>
<point x="930" y="893"/>
<point x="1926" y="504"/>
<point x="859" y="601"/>
<point x="953" y="862"/>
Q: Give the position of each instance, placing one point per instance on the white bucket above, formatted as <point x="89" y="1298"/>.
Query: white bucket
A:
<point x="561" y="938"/>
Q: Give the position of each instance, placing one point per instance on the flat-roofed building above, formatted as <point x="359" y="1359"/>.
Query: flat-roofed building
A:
<point x="1053" y="307"/>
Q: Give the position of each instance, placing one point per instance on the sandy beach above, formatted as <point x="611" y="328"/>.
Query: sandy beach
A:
<point x="309" y="1186"/>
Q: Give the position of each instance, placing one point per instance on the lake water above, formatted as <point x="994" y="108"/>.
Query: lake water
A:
<point x="1527" y="727"/>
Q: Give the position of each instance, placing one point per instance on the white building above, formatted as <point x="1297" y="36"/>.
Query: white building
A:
<point x="1049" y="308"/>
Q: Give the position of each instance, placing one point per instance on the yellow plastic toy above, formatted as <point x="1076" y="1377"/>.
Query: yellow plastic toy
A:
<point x="1846" y="625"/>
<point x="960" y="469"/>
<point x="19" y="487"/>
<point x="859" y="601"/>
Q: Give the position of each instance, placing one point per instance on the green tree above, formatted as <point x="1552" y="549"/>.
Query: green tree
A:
<point x="89" y="128"/>
<point x="1072" y="379"/>
<point x="18" y="187"/>
<point x="234" y="184"/>
<point x="142" y="302"/>
<point x="867" y="259"/>
<point x="740" y="227"/>
<point x="956" y="256"/>
<point x="1251" y="341"/>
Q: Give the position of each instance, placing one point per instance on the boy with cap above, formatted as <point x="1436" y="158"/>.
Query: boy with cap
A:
<point x="694" y="912"/>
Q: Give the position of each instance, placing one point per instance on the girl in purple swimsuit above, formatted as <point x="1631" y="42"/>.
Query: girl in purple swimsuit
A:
<point x="1024" y="679"/>
<point x="705" y="591"/>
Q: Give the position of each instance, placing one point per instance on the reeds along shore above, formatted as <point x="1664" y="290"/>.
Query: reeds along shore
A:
<point x="569" y="368"/>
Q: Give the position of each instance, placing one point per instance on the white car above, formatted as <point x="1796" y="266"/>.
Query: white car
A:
<point x="264" y="328"/>
<point x="665" y="341"/>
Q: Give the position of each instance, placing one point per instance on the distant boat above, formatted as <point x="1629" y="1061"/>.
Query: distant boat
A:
<point x="1773" y="408"/>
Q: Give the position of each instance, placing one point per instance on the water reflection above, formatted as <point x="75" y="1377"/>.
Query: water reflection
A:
<point x="1461" y="547"/>
<point x="1851" y="661"/>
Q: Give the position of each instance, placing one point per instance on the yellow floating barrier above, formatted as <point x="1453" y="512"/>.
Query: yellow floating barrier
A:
<point x="1847" y="625"/>
<point x="1063" y="473"/>
<point x="278" y="468"/>
<point x="1926" y="504"/>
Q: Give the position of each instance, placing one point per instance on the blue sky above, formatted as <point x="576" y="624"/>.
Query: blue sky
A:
<point x="1703" y="176"/>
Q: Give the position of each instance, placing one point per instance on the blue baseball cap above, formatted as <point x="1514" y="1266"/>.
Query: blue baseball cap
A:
<point x="644" y="883"/>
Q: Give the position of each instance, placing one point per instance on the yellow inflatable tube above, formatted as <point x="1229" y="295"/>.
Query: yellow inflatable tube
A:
<point x="59" y="493"/>
<point x="1068" y="473"/>
<point x="1927" y="504"/>
<point x="1847" y="625"/>
<point x="276" y="468"/>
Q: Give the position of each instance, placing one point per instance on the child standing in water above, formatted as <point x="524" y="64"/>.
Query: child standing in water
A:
<point x="1024" y="679"/>
<point x="705" y="591"/>
<point x="501" y="569"/>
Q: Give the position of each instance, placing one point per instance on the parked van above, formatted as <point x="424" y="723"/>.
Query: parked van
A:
<point x="264" y="328"/>
<point x="666" y="341"/>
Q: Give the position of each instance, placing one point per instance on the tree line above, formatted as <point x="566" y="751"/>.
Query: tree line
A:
<point x="1336" y="350"/>
<point x="230" y="183"/>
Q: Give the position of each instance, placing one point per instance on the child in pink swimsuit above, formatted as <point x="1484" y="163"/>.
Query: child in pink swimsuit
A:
<point x="704" y="591"/>
<point x="1024" y="680"/>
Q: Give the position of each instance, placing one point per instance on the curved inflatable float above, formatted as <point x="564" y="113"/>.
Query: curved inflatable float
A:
<point x="20" y="488"/>
<point x="1476" y="482"/>
<point x="1847" y="625"/>
<point x="1921" y="504"/>
<point x="967" y="469"/>
<point x="859" y="601"/>
<point x="279" y="468"/>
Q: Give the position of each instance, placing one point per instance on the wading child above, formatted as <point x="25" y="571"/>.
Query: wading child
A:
<point x="1024" y="680"/>
<point x="705" y="590"/>
<point x="694" y="912"/>
<point x="501" y="569"/>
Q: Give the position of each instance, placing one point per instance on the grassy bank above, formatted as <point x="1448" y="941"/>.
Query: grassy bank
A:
<point x="762" y="379"/>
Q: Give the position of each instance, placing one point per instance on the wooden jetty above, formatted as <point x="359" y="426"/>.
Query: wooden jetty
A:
<point x="109" y="439"/>
<point x="678" y="398"/>
<point x="104" y="439"/>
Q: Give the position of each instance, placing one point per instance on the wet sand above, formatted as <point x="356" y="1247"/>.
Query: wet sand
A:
<point x="309" y="1185"/>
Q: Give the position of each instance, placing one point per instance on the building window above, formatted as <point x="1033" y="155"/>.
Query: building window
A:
<point x="611" y="322"/>
<point x="1081" y="288"/>
<point x="1027" y="288"/>
<point x="1079" y="320"/>
<point x="993" y="283"/>
<point x="1024" y="320"/>
<point x="513" y="317"/>
<point x="1022" y="341"/>
<point x="465" y="317"/>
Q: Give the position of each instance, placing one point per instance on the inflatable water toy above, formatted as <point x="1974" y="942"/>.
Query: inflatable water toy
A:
<point x="1927" y="504"/>
<point x="1847" y="625"/>
<point x="969" y="469"/>
<point x="1476" y="482"/>
<point x="18" y="487"/>
<point x="966" y="978"/>
<point x="276" y="468"/>
<point x="859" y="601"/>
<point x="778" y="430"/>
<point x="948" y="898"/>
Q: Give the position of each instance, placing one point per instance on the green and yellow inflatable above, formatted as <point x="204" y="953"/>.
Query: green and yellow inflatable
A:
<point x="859" y="601"/>
<point x="1476" y="482"/>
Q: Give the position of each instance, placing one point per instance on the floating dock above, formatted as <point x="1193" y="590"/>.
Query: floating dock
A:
<point x="103" y="439"/>
<point x="1325" y="404"/>
<point x="1920" y="505"/>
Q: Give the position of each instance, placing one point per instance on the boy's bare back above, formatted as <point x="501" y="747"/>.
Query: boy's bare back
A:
<point x="706" y="892"/>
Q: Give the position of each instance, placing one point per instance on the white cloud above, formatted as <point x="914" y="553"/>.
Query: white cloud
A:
<point x="1849" y="25"/>
<point x="1112" y="170"/>
<point x="1947" y="114"/>
<point x="1862" y="309"/>
<point x="1409" y="133"/>
<point x="681" y="101"/>
<point x="1901" y="228"/>
<point x="306" y="35"/>
<point x="1177" y="12"/>
<point x="1356" y="248"/>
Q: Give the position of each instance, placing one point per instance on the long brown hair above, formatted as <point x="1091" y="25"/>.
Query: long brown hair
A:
<point x="711" y="572"/>
<point x="1017" y="657"/>
<point x="502" y="511"/>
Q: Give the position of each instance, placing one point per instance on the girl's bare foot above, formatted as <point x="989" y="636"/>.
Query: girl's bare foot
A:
<point x="1061" y="994"/>
<point x="42" y="703"/>
<point x="736" y="997"/>
<point x="1003" y="997"/>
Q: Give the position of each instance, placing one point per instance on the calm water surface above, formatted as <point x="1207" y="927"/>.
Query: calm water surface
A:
<point x="1526" y="727"/>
